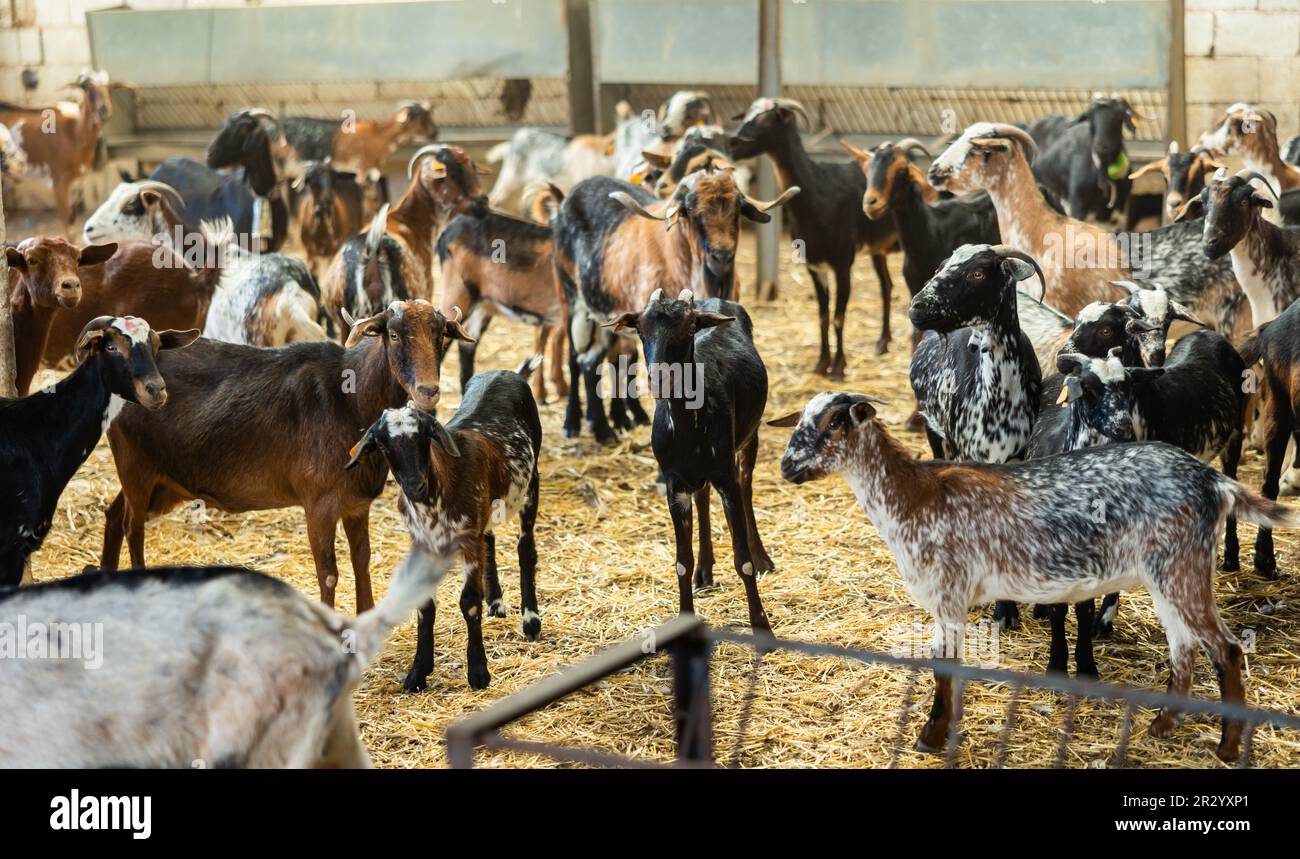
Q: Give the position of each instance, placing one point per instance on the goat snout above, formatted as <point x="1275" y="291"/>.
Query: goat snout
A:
<point x="69" y="292"/>
<point x="426" y="396"/>
<point x="152" y="393"/>
<point x="720" y="261"/>
<point x="792" y="471"/>
<point x="873" y="205"/>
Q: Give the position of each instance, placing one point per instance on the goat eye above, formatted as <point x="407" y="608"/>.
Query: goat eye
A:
<point x="1106" y="332"/>
<point x="392" y="335"/>
<point x="111" y="347"/>
<point x="977" y="275"/>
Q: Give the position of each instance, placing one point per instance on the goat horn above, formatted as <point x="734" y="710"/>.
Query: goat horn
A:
<point x="263" y="113"/>
<point x="686" y="295"/>
<point x="1249" y="174"/>
<point x="162" y="188"/>
<point x="657" y="295"/>
<point x="1003" y="130"/>
<point x="427" y="151"/>
<point x="1016" y="253"/>
<point x="457" y="313"/>
<point x="347" y="317"/>
<point x="784" y="198"/>
<point x="909" y="143"/>
<point x="791" y="104"/>
<point x="1128" y="286"/>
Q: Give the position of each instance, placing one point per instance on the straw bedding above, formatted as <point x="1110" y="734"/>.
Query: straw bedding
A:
<point x="606" y="573"/>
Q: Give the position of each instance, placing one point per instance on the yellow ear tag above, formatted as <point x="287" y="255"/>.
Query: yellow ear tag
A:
<point x="1063" y="396"/>
<point x="353" y="451"/>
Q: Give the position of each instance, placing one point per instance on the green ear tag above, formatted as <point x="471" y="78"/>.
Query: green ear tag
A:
<point x="1119" y="168"/>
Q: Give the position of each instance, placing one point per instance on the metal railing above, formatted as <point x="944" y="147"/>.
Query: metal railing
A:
<point x="689" y="643"/>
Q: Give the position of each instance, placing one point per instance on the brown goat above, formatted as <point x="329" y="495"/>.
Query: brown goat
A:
<point x="45" y="276"/>
<point x="329" y="212"/>
<point x="259" y="429"/>
<point x="63" y="138"/>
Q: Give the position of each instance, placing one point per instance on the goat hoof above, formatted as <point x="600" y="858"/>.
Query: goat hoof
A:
<point x="1266" y="571"/>
<point x="763" y="564"/>
<point x="571" y="432"/>
<point x="1042" y="612"/>
<point x="496" y="609"/>
<point x="882" y="345"/>
<point x="931" y="741"/>
<point x="479" y="678"/>
<point x="532" y="628"/>
<point x="822" y="366"/>
<point x="1007" y="615"/>
<point x="702" y="578"/>
<point x="1102" y="628"/>
<point x="1161" y="726"/>
<point x="415" y="681"/>
<point x="1088" y="671"/>
<point x="1230" y="566"/>
<point x="1058" y="668"/>
<point x="606" y="438"/>
<point x="1228" y="751"/>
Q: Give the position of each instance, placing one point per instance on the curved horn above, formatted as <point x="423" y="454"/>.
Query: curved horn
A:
<point x="1128" y="286"/>
<point x="457" y="313"/>
<point x="791" y="104"/>
<point x="907" y="144"/>
<point x="781" y="200"/>
<point x="263" y="113"/>
<point x="1249" y="174"/>
<point x="1027" y="144"/>
<point x="427" y="151"/>
<point x="657" y="295"/>
<point x="162" y="188"/>
<point x="1016" y="253"/>
<point x="686" y="295"/>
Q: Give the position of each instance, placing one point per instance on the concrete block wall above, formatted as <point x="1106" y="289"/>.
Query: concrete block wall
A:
<point x="1242" y="50"/>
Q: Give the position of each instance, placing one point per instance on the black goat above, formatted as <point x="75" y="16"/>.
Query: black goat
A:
<point x="1077" y="162"/>
<point x="48" y="435"/>
<point x="826" y="218"/>
<point x="710" y="389"/>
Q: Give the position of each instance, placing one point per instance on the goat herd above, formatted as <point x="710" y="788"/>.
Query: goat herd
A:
<point x="316" y="378"/>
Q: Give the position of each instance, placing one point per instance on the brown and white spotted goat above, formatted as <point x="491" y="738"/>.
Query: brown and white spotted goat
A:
<point x="964" y="534"/>
<point x="459" y="482"/>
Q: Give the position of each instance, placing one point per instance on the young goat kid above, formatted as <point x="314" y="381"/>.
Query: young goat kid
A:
<point x="47" y="436"/>
<point x="711" y="442"/>
<point x="964" y="534"/>
<point x="458" y="483"/>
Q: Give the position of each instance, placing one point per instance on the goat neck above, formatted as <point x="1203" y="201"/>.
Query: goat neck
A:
<point x="376" y="389"/>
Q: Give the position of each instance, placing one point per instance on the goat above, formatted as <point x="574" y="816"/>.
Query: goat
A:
<point x="685" y="343"/>
<point x="246" y="140"/>
<point x="1253" y="132"/>
<point x="329" y="211"/>
<point x="1275" y="344"/>
<point x="1080" y="259"/>
<point x="974" y="373"/>
<point x="458" y="483"/>
<point x="1184" y="172"/>
<point x="533" y="156"/>
<point x="615" y="243"/>
<point x="361" y="146"/>
<point x="137" y="210"/>
<point x="45" y="276"/>
<point x="67" y="151"/>
<point x="1157" y="312"/>
<point x="827" y="218"/>
<point x="1077" y="163"/>
<point x="47" y="436"/>
<point x="1194" y="402"/>
<point x="393" y="259"/>
<point x="259" y="429"/>
<point x="496" y="264"/>
<point x="13" y="160"/>
<point x="966" y="533"/>
<point x="683" y="110"/>
<point x="280" y="694"/>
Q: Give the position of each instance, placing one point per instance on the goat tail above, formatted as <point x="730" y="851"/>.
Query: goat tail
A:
<point x="413" y="584"/>
<point x="497" y="153"/>
<point x="1255" y="509"/>
<point x="218" y="236"/>
<point x="529" y="365"/>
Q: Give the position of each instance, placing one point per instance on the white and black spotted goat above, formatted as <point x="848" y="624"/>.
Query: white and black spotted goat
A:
<point x="459" y="482"/>
<point x="967" y="533"/>
<point x="975" y="373"/>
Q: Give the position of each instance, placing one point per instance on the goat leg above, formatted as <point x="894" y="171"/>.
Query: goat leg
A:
<point x="748" y="456"/>
<point x="356" y="527"/>
<point x="320" y="534"/>
<point x="417" y="676"/>
<point x="573" y="409"/>
<point x="532" y="620"/>
<point x="1058" y="661"/>
<point x="471" y="609"/>
<point x="114" y="529"/>
<point x="679" y="508"/>
<point x="1084" y="663"/>
<point x="934" y="734"/>
<point x="704" y="564"/>
<point x="1231" y="547"/>
<point x="733" y="504"/>
<point x="886" y="296"/>
<point x="1104" y="625"/>
<point x="491" y="580"/>
<point x="823" y="364"/>
<point x="1006" y="614"/>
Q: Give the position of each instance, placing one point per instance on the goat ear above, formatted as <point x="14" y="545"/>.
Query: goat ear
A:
<point x="1192" y="209"/>
<point x="628" y="202"/>
<point x="1180" y="312"/>
<point x="1145" y="374"/>
<point x="96" y="254"/>
<point x="171" y="339"/>
<point x="1159" y="164"/>
<point x="91" y="334"/>
<point x="16" y="259"/>
<point x="442" y="437"/>
<point x="371" y="326"/>
<point x="862" y="412"/>
<point x="752" y="212"/>
<point x="859" y="155"/>
<point x="626" y="320"/>
<point x="756" y="210"/>
<point x="453" y="330"/>
<point x="789" y="420"/>
<point x="657" y="159"/>
<point x="1140" y="326"/>
<point x="361" y="448"/>
<point x="1017" y="268"/>
<point x="707" y="319"/>
<point x="929" y="193"/>
<point x="1260" y="200"/>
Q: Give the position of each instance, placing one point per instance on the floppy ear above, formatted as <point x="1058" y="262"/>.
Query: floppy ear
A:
<point x="1258" y="199"/>
<point x="361" y="448"/>
<point x="625" y="320"/>
<point x="1192" y="209"/>
<point x="1140" y="326"/>
<point x="789" y="420"/>
<point x="1184" y="314"/>
<point x="1017" y="268"/>
<point x="16" y="259"/>
<point x="91" y="334"/>
<point x="96" y="254"/>
<point x="657" y="159"/>
<point x="1145" y="374"/>
<point x="1149" y="168"/>
<point x="442" y="437"/>
<point x="171" y="339"/>
<point x="707" y="319"/>
<point x="455" y="331"/>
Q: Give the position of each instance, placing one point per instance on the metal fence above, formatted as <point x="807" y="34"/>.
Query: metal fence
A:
<point x="689" y="642"/>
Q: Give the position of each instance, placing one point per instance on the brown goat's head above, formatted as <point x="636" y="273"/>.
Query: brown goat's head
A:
<point x="1185" y="173"/>
<point x="889" y="171"/>
<point x="51" y="268"/>
<point x="94" y="86"/>
<point x="129" y="350"/>
<point x="1231" y="205"/>
<point x="975" y="160"/>
<point x="415" y="336"/>
<point x="406" y="437"/>
<point x="415" y="122"/>
<point x="708" y="206"/>
<point x="450" y="177"/>
<point x="826" y="434"/>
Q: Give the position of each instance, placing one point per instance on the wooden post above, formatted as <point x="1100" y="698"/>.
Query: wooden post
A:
<point x="8" y="363"/>
<point x="582" y="92"/>
<point x="1177" y="90"/>
<point x="769" y="85"/>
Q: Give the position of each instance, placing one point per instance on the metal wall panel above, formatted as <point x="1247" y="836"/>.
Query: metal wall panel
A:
<point x="294" y="44"/>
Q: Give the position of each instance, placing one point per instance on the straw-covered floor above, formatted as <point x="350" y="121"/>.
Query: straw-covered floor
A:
<point x="606" y="573"/>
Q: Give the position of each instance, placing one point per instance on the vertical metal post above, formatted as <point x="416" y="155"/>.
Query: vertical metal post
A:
<point x="692" y="702"/>
<point x="769" y="85"/>
<point x="582" y="94"/>
<point x="8" y="362"/>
